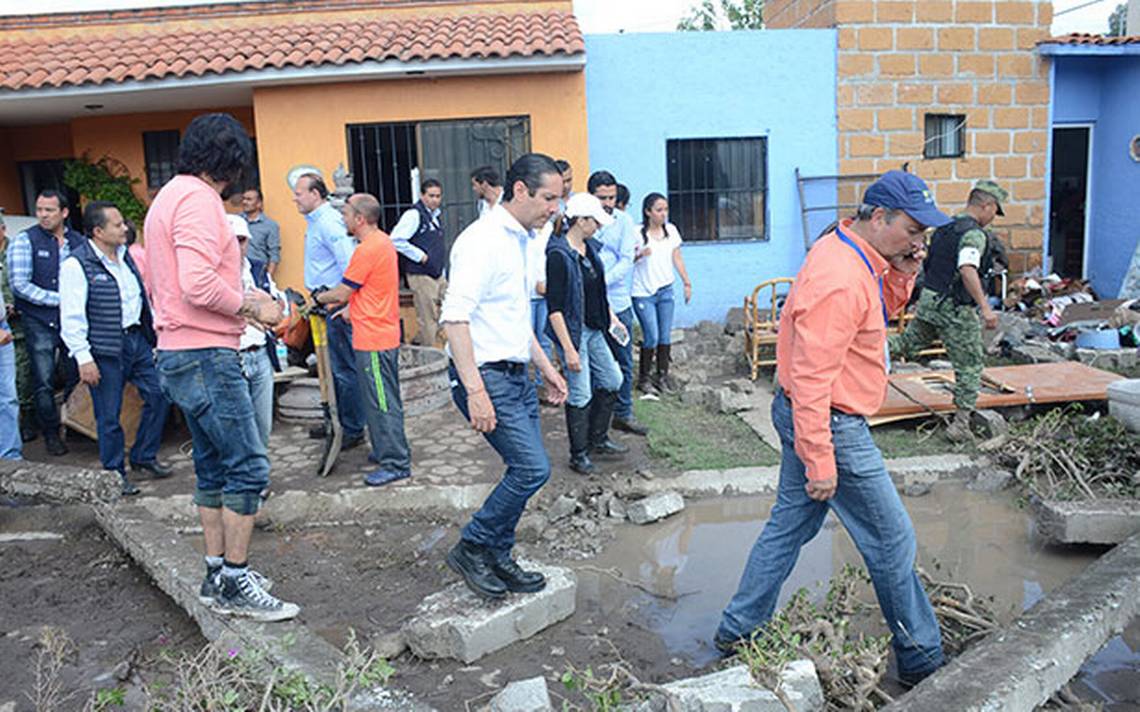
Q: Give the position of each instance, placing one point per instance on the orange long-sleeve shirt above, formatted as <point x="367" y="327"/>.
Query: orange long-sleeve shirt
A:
<point x="830" y="352"/>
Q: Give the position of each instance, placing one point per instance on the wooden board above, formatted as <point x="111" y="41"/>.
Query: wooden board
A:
<point x="77" y="413"/>
<point x="1067" y="381"/>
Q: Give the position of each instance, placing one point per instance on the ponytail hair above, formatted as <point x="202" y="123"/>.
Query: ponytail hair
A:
<point x="646" y="205"/>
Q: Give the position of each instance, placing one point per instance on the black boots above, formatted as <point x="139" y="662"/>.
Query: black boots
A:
<point x="601" y="413"/>
<point x="644" y="371"/>
<point x="491" y="576"/>
<point x="663" y="380"/>
<point x="578" y="431"/>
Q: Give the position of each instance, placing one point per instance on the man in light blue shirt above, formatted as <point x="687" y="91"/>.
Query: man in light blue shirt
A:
<point x="617" y="244"/>
<point x="328" y="248"/>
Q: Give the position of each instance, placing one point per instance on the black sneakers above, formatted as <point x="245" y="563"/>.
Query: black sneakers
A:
<point x="470" y="561"/>
<point x="211" y="586"/>
<point x="244" y="597"/>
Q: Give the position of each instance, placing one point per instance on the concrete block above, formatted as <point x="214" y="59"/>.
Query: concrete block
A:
<point x="1124" y="403"/>
<point x="655" y="507"/>
<point x="523" y="696"/>
<point x="730" y="402"/>
<point x="733" y="690"/>
<point x="1100" y="521"/>
<point x="990" y="481"/>
<point x="1127" y="414"/>
<point x="1036" y="353"/>
<point x="58" y="483"/>
<point x="455" y="623"/>
<point x="1022" y="665"/>
<point x="989" y="423"/>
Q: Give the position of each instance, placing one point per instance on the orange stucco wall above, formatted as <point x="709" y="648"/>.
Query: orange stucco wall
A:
<point x="306" y="124"/>
<point x="28" y="143"/>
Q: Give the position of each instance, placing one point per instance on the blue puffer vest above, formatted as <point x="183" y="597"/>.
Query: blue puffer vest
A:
<point x="45" y="272"/>
<point x="105" y="305"/>
<point x="428" y="238"/>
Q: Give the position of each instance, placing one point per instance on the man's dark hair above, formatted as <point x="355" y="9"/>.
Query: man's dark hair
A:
<point x="430" y="183"/>
<point x="622" y="199"/>
<point x="599" y="179"/>
<point x="132" y="232"/>
<point x="563" y="165"/>
<point x="257" y="190"/>
<point x="367" y="206"/>
<point x="218" y="146"/>
<point x="488" y="175"/>
<point x="49" y="194"/>
<point x="530" y="169"/>
<point x="95" y="216"/>
<point x="317" y="183"/>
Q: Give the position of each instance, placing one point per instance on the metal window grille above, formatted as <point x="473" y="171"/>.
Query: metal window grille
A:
<point x="945" y="136"/>
<point x="718" y="188"/>
<point x="160" y="149"/>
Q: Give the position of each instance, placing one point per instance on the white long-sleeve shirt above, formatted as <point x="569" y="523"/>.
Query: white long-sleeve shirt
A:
<point x="73" y="300"/>
<point x="487" y="287"/>
<point x="406" y="229"/>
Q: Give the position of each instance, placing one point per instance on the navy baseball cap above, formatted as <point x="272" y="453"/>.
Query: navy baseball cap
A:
<point x="899" y="190"/>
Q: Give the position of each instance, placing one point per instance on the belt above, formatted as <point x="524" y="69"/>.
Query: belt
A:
<point x="132" y="328"/>
<point x="511" y="367"/>
<point x="249" y="349"/>
<point x="834" y="411"/>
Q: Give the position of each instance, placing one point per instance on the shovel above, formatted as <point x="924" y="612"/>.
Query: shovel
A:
<point x="319" y="330"/>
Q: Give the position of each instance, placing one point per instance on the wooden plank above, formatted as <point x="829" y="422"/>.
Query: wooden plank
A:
<point x="1067" y="381"/>
<point x="78" y="415"/>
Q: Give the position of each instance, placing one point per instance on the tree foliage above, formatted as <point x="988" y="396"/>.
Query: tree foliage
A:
<point x="710" y="15"/>
<point x="1117" y="20"/>
<point x="105" y="179"/>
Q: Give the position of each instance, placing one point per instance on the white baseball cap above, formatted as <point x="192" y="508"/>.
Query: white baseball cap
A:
<point x="585" y="205"/>
<point x="238" y="225"/>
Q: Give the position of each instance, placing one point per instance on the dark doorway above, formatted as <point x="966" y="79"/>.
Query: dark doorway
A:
<point x="48" y="175"/>
<point x="1068" y="203"/>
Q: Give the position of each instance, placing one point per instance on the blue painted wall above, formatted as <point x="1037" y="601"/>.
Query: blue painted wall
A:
<point x="643" y="89"/>
<point x="1106" y="92"/>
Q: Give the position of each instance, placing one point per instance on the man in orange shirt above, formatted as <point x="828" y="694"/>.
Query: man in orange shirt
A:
<point x="832" y="367"/>
<point x="371" y="287"/>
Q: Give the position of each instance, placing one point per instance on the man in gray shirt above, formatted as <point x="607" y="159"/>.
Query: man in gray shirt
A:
<point x="265" y="235"/>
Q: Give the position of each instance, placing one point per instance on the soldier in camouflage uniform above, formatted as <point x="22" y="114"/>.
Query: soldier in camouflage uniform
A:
<point x="961" y="256"/>
<point x="28" y="422"/>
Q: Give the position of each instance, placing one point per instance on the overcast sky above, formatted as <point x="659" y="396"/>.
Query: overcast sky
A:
<point x="595" y="16"/>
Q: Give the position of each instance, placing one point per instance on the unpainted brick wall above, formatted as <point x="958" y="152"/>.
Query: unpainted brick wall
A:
<point x="899" y="60"/>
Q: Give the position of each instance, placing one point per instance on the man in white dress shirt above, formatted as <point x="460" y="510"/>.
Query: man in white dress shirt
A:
<point x="487" y="318"/>
<point x="105" y="322"/>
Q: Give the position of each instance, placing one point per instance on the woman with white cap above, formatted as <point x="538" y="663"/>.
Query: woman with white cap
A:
<point x="579" y="317"/>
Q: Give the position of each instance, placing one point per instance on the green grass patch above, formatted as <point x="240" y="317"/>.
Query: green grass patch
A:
<point x="914" y="438"/>
<point x="691" y="438"/>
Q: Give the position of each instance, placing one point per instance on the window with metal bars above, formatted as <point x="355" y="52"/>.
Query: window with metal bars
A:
<point x="390" y="160"/>
<point x="945" y="136"/>
<point x="718" y="188"/>
<point x="160" y="150"/>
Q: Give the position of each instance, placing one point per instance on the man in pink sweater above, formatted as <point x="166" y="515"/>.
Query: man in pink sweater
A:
<point x="194" y="280"/>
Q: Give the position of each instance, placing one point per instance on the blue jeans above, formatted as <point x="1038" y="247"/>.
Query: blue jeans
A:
<point x="48" y="356"/>
<point x="379" y="376"/>
<point x="134" y="365"/>
<point x="599" y="372"/>
<point x="10" y="444"/>
<point x="624" y="356"/>
<point x="258" y="372"/>
<point x="869" y="507"/>
<point x="538" y="314"/>
<point x="343" y="361"/>
<point x="655" y="314"/>
<point x="517" y="438"/>
<point x="229" y="459"/>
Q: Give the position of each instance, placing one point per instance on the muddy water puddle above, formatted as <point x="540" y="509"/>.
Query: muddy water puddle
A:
<point x="692" y="562"/>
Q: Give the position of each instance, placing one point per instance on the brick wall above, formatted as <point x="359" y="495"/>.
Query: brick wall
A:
<point x="899" y="60"/>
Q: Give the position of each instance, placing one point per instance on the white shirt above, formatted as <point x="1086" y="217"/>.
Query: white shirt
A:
<point x="407" y="228"/>
<point x="487" y="287"/>
<point x="486" y="206"/>
<point x="536" y="259"/>
<point x="655" y="271"/>
<point x="253" y="336"/>
<point x="73" y="300"/>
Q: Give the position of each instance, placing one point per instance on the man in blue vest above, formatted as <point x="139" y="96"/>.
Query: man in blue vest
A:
<point x="106" y="324"/>
<point x="34" y="258"/>
<point x="418" y="237"/>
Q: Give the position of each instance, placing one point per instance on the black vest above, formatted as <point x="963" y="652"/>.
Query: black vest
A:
<point x="940" y="271"/>
<point x="261" y="281"/>
<point x="45" y="272"/>
<point x="105" y="305"/>
<point x="428" y="238"/>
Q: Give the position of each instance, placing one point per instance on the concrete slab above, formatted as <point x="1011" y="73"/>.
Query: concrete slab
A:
<point x="455" y="623"/>
<point x="523" y="696"/>
<point x="57" y="483"/>
<point x="29" y="536"/>
<point x="177" y="569"/>
<point x="1124" y="403"/>
<point x="733" y="690"/>
<point x="654" y="507"/>
<point x="1021" y="666"/>
<point x="1101" y="521"/>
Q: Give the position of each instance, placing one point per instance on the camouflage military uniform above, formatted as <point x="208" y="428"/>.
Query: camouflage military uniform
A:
<point x="23" y="363"/>
<point x="939" y="317"/>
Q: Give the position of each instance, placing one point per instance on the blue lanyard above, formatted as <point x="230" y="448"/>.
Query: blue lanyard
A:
<point x="879" y="277"/>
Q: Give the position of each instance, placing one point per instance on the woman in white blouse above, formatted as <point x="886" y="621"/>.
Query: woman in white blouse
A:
<point x="658" y="254"/>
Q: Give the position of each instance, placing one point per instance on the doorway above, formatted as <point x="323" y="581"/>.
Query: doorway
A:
<point x="1068" y="202"/>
